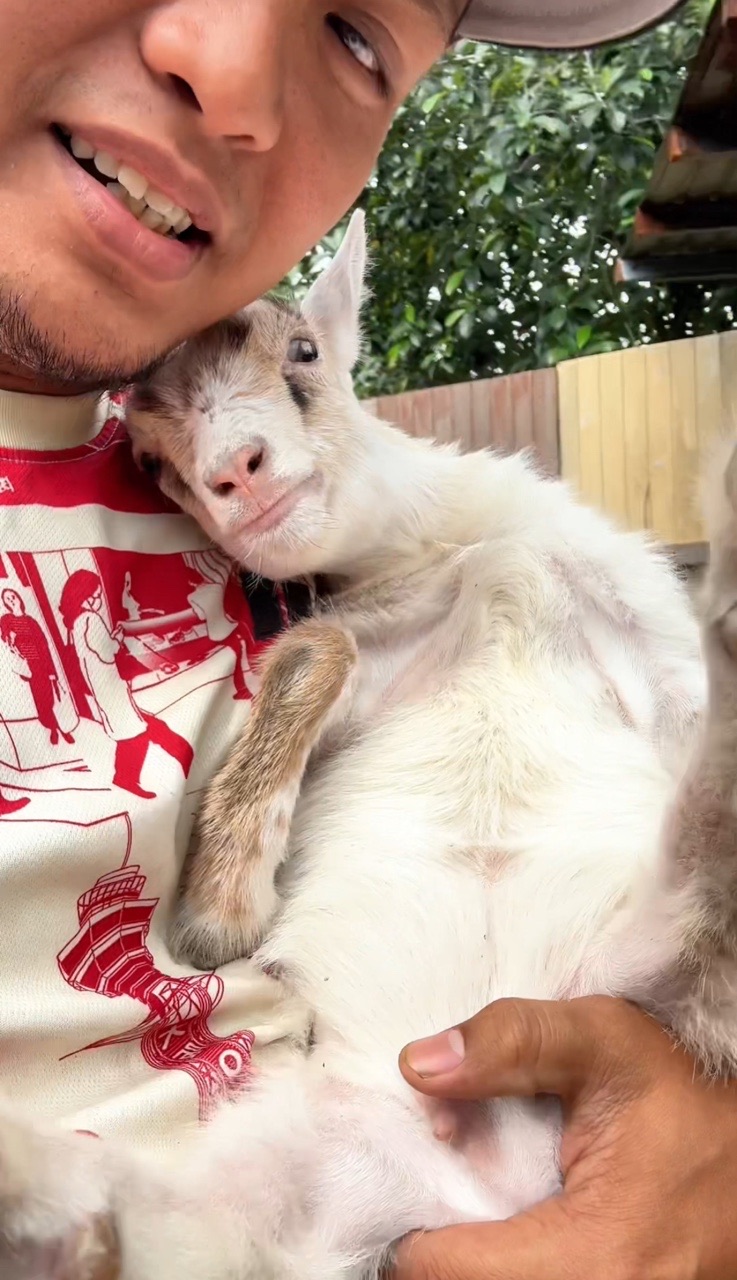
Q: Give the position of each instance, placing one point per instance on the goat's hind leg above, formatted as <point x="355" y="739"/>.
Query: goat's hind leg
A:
<point x="227" y="895"/>
<point x="701" y="842"/>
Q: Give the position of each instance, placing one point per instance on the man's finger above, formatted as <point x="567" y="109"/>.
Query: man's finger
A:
<point x="540" y="1245"/>
<point x="521" y="1048"/>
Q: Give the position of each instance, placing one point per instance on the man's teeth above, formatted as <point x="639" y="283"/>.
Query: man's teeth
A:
<point x="151" y="207"/>
<point x="132" y="181"/>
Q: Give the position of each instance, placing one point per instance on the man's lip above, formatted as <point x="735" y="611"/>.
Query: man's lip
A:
<point x="158" y="258"/>
<point x="161" y="169"/>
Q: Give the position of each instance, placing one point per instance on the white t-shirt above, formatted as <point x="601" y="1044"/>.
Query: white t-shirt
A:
<point x="126" y="651"/>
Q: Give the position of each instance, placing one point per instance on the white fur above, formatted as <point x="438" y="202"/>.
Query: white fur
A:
<point x="482" y="820"/>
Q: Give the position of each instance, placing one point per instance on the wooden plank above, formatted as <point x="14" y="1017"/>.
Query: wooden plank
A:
<point x="520" y="389"/>
<point x="611" y="411"/>
<point x="544" y="393"/>
<point x="728" y="357"/>
<point x="709" y="410"/>
<point x="385" y="408"/>
<point x="442" y="409"/>
<point x="483" y="426"/>
<point x="708" y="374"/>
<point x="685" y="440"/>
<point x="404" y="410"/>
<point x="589" y="425"/>
<point x="501" y="415"/>
<point x="407" y="411"/>
<point x="659" y="418"/>
<point x="422" y="422"/>
<point x="569" y="434"/>
<point x="460" y="409"/>
<point x="636" y="453"/>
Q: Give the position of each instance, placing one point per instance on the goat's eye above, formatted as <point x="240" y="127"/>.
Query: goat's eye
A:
<point x="302" y="351"/>
<point x="149" y="463"/>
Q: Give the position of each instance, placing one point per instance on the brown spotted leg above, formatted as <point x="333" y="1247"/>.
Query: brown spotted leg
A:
<point x="227" y="895"/>
<point x="702" y="844"/>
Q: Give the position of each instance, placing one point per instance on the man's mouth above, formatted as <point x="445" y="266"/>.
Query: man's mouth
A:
<point x="150" y="207"/>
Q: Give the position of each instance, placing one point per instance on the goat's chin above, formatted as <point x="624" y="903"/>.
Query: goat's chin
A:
<point x="295" y="549"/>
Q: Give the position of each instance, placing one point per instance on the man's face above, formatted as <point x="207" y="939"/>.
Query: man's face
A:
<point x="261" y="118"/>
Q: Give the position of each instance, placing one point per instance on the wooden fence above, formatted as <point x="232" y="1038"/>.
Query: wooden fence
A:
<point x="509" y="413"/>
<point x="634" y="427"/>
<point x="627" y="429"/>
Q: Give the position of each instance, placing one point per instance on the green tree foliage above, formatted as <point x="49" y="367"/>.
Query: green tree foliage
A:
<point x="498" y="204"/>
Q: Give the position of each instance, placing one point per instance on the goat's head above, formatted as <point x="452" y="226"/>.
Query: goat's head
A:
<point x="251" y="426"/>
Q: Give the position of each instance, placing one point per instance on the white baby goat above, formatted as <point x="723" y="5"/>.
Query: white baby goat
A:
<point x="453" y="787"/>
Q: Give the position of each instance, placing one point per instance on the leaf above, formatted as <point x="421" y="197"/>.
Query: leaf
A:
<point x="551" y="124"/>
<point x="583" y="336"/>
<point x="454" y="317"/>
<point x="466" y="325"/>
<point x="430" y="103"/>
<point x="455" y="281"/>
<point x="590" y="114"/>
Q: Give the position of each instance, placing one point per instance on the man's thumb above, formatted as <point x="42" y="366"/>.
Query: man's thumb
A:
<point x="518" y="1048"/>
<point x="540" y="1245"/>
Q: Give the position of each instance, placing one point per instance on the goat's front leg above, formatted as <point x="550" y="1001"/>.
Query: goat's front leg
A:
<point x="701" y="842"/>
<point x="227" y="894"/>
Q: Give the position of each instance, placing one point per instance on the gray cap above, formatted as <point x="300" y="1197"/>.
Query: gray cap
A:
<point x="560" y="24"/>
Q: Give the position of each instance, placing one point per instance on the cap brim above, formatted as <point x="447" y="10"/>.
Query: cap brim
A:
<point x="567" y="24"/>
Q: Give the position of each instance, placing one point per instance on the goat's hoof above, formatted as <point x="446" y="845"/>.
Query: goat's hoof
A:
<point x="95" y="1254"/>
<point x="208" y="939"/>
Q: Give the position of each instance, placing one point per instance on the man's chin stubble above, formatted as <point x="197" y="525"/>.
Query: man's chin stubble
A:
<point x="30" y="355"/>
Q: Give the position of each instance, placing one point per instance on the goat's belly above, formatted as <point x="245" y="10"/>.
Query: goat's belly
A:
<point x="395" y="926"/>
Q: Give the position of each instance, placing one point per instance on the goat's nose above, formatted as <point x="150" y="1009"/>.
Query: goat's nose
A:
<point x="240" y="472"/>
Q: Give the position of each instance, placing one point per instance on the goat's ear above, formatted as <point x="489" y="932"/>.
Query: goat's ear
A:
<point x="333" y="304"/>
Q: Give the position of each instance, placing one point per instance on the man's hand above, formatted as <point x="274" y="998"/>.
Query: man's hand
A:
<point x="649" y="1152"/>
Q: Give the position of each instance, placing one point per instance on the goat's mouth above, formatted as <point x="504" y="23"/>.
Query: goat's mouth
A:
<point x="273" y="516"/>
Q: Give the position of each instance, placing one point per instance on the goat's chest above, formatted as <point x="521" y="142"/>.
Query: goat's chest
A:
<point x="394" y="669"/>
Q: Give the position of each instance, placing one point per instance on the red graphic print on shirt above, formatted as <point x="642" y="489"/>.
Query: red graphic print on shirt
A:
<point x="29" y="646"/>
<point x="109" y="955"/>
<point x="95" y="639"/>
<point x="127" y="648"/>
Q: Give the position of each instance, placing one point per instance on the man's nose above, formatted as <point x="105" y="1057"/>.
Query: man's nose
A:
<point x="245" y="473"/>
<point x="228" y="60"/>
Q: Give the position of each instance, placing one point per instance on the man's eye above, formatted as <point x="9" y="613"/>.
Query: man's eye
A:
<point x="359" y="48"/>
<point x="302" y="351"/>
<point x="149" y="463"/>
